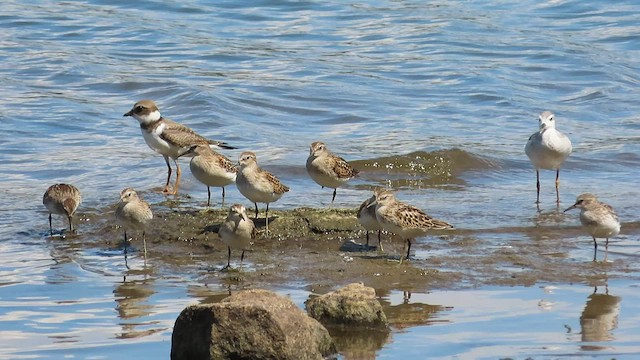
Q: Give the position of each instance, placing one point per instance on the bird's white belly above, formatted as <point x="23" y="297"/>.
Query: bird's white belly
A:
<point x="157" y="144"/>
<point x="257" y="192"/>
<point x="369" y="222"/>
<point x="325" y="180"/>
<point x="605" y="229"/>
<point x="548" y="151"/>
<point x="212" y="176"/>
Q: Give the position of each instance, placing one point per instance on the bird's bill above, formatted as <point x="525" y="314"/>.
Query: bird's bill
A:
<point x="571" y="207"/>
<point x="244" y="217"/>
<point x="128" y="113"/>
<point x="374" y="203"/>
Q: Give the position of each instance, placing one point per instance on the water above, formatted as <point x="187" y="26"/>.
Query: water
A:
<point x="434" y="99"/>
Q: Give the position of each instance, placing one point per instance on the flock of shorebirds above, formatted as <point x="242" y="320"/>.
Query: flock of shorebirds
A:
<point x="547" y="149"/>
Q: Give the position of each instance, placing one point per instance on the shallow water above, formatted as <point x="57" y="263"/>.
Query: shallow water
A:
<point x="436" y="100"/>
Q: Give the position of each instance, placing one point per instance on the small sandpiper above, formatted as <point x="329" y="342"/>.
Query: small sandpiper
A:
<point x="547" y="149"/>
<point x="367" y="218"/>
<point x="598" y="218"/>
<point x="327" y="169"/>
<point x="404" y="220"/>
<point x="133" y="213"/>
<point x="258" y="185"/>
<point x="167" y="137"/>
<point x="62" y="199"/>
<point x="237" y="231"/>
<point x="211" y="169"/>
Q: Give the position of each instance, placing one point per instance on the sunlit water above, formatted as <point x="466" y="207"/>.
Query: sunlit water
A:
<point x="435" y="99"/>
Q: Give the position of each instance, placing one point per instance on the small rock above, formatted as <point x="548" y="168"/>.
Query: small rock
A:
<point x="352" y="305"/>
<point x="252" y="324"/>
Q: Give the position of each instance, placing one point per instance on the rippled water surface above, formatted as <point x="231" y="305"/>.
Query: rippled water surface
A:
<point x="435" y="99"/>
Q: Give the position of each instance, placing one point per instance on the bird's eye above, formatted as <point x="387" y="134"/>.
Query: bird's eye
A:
<point x="139" y="108"/>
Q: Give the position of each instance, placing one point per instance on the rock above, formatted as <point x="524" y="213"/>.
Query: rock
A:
<point x="252" y="324"/>
<point x="352" y="305"/>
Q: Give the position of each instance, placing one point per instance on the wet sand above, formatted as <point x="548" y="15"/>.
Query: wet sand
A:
<point x="321" y="249"/>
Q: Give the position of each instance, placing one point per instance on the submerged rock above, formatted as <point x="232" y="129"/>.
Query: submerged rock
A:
<point x="252" y="324"/>
<point x="352" y="305"/>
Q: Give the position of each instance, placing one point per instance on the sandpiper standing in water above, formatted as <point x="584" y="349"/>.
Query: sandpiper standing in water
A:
<point x="367" y="218"/>
<point x="404" y="220"/>
<point x="211" y="169"/>
<point x="133" y="213"/>
<point x="167" y="137"/>
<point x="598" y="218"/>
<point x="62" y="199"/>
<point x="547" y="149"/>
<point x="258" y="185"/>
<point x="237" y="231"/>
<point x="327" y="169"/>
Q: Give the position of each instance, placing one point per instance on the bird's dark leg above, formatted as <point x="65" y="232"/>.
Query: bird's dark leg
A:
<point x="334" y="195"/>
<point x="606" y="249"/>
<point x="241" y="257"/>
<point x="266" y="218"/>
<point x="595" y="248"/>
<point x="408" y="248"/>
<point x="367" y="238"/>
<point x="166" y="186"/>
<point x="538" y="186"/>
<point x="380" y="240"/>
<point x="50" y="227"/>
<point x="209" y="196"/>
<point x="558" y="186"/>
<point x="222" y="197"/>
<point x="256" y="217"/>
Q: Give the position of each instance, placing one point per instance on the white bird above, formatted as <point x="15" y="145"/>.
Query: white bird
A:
<point x="547" y="149"/>
<point x="598" y="218"/>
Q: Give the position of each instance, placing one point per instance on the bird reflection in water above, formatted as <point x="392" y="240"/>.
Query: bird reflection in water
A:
<point x="599" y="318"/>
<point x="132" y="302"/>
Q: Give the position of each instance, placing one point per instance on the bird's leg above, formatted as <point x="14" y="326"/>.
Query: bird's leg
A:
<point x="380" y="240"/>
<point x="222" y="197"/>
<point x="178" y="173"/>
<point x="166" y="186"/>
<point x="50" y="227"/>
<point x="144" y="244"/>
<point x="228" y="259"/>
<point x="208" y="196"/>
<point x="557" y="186"/>
<point x="334" y="195"/>
<point x="606" y="249"/>
<point x="70" y="223"/>
<point x="241" y="257"/>
<point x="367" y="238"/>
<point x="595" y="248"/>
<point x="266" y="218"/>
<point x="408" y="248"/>
<point x="538" y="186"/>
<point x="256" y="217"/>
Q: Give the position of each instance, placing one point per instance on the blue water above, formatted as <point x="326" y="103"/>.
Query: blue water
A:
<point x="373" y="80"/>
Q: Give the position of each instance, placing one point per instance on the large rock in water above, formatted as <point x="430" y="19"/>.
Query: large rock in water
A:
<point x="352" y="305"/>
<point x="252" y="324"/>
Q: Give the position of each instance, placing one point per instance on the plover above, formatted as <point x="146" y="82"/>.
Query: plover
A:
<point x="62" y="199"/>
<point x="404" y="220"/>
<point x="133" y="213"/>
<point x="167" y="137"/>
<point x="367" y="218"/>
<point x="211" y="169"/>
<point x="237" y="231"/>
<point x="547" y="149"/>
<point x="598" y="218"/>
<point x="258" y="185"/>
<point x="327" y="169"/>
